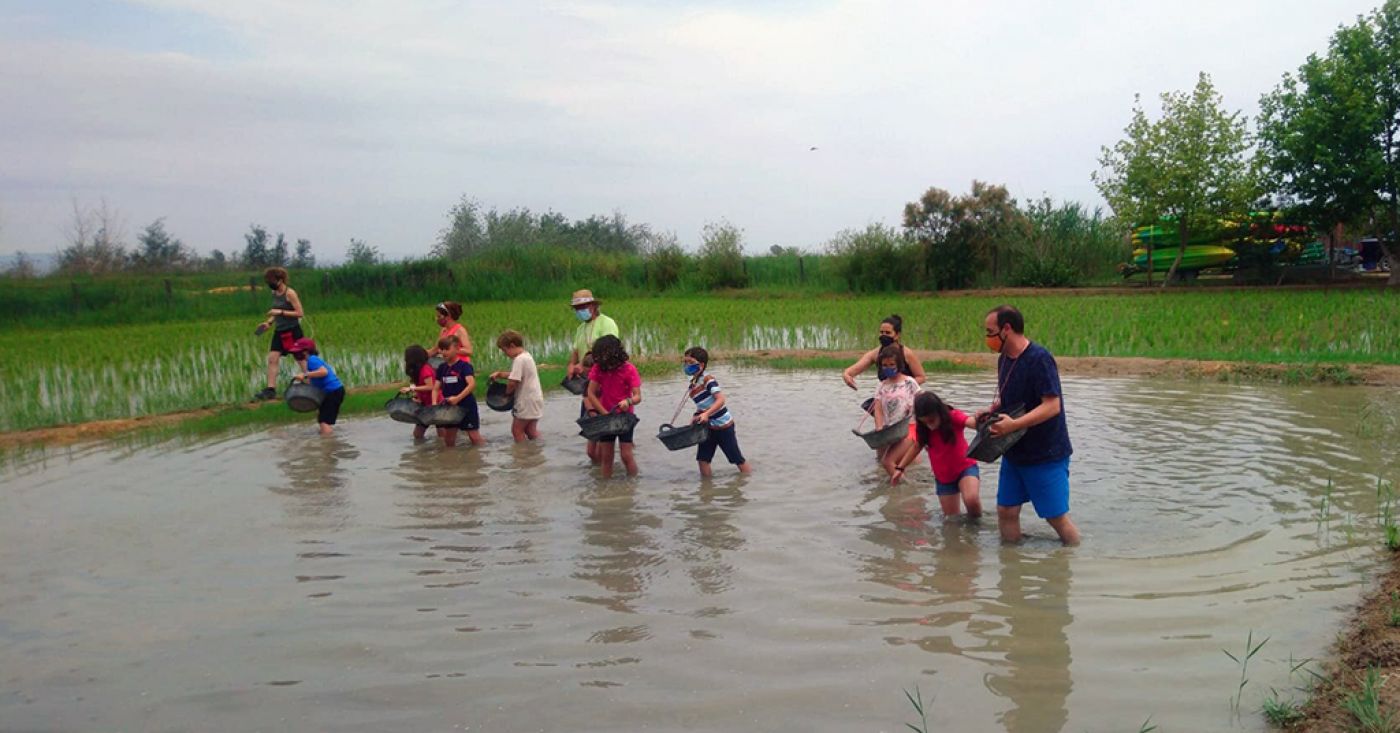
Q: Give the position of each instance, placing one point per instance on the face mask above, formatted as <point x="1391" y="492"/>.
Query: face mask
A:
<point x="442" y="320"/>
<point x="272" y="286"/>
<point x="887" y="372"/>
<point x="886" y="341"/>
<point x="692" y="369"/>
<point x="583" y="314"/>
<point x="995" y="342"/>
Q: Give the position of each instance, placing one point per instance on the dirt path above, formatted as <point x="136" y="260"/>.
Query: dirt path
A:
<point x="1368" y="641"/>
<point x="1375" y="375"/>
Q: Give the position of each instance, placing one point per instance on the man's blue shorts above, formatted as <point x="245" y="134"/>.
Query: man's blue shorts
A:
<point x="943" y="489"/>
<point x="1044" y="485"/>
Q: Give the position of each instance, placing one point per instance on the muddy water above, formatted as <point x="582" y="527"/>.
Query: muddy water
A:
<point x="279" y="581"/>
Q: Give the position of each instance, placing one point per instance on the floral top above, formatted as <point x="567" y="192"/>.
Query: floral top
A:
<point x="896" y="396"/>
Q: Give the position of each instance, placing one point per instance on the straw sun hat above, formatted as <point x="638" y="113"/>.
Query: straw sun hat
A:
<point x="583" y="297"/>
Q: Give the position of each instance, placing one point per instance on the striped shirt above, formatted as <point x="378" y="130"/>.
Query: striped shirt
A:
<point x="704" y="395"/>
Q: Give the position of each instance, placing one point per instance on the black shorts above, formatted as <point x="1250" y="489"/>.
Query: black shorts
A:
<point x="472" y="420"/>
<point x="623" y="438"/>
<point x="330" y="406"/>
<point x="282" y="340"/>
<point x="723" y="439"/>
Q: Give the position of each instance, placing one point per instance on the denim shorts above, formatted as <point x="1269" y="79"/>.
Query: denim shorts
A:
<point x="1044" y="485"/>
<point x="952" y="488"/>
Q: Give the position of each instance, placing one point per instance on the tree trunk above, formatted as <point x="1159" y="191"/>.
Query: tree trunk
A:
<point x="1391" y="245"/>
<point x="1149" y="263"/>
<point x="1180" y="250"/>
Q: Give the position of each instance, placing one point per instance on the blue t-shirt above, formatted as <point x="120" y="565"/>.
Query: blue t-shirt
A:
<point x="328" y="383"/>
<point x="1024" y="381"/>
<point x="453" y="378"/>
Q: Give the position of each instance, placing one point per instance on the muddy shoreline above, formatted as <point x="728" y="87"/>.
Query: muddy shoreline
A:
<point x="1367" y="641"/>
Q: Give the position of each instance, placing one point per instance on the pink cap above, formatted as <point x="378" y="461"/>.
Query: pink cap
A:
<point x="302" y="345"/>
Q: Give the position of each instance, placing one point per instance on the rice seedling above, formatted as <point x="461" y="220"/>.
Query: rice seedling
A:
<point x="1281" y="712"/>
<point x="1365" y="706"/>
<point x="1393" y="610"/>
<point x="1147" y="726"/>
<point x="916" y="700"/>
<point x="1250" y="649"/>
<point x="1385" y="508"/>
<point x="211" y="358"/>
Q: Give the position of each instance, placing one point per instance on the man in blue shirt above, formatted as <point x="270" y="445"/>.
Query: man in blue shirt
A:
<point x="1036" y="468"/>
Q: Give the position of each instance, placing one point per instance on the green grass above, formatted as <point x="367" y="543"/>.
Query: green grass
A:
<point x="61" y="374"/>
<point x="1365" y="706"/>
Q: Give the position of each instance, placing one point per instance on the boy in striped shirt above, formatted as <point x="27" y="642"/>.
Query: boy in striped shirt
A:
<point x="711" y="406"/>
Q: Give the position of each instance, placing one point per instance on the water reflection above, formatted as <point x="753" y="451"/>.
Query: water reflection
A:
<point x="312" y="476"/>
<point x="618" y="552"/>
<point x="707" y="535"/>
<point x="1034" y="670"/>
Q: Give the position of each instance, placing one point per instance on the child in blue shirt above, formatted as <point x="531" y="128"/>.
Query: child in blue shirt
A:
<point x="712" y="407"/>
<point x="456" y="383"/>
<point x="314" y="369"/>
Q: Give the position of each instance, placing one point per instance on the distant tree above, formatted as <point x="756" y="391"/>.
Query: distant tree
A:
<point x="216" y="261"/>
<point x="959" y="235"/>
<point x="778" y="250"/>
<point x="256" y="254"/>
<point x="94" y="241"/>
<point x="157" y="251"/>
<point x="278" y="254"/>
<point x="303" y="259"/>
<point x="465" y="233"/>
<point x="722" y="256"/>
<point x="1330" y="137"/>
<point x="1189" y="166"/>
<point x="360" y="253"/>
<point x="21" y="268"/>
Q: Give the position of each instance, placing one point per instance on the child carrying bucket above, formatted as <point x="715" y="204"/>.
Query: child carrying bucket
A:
<point x="522" y="381"/>
<point x="456" y="382"/>
<point x="711" y="406"/>
<point x="938" y="429"/>
<point x="422" y="383"/>
<point x="315" y="370"/>
<point x="613" y="386"/>
<point x="894" y="402"/>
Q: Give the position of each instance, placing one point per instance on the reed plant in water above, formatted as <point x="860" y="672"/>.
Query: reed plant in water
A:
<point x="1242" y="661"/>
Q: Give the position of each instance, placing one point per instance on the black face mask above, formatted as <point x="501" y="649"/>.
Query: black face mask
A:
<point x="272" y="286"/>
<point x="886" y="341"/>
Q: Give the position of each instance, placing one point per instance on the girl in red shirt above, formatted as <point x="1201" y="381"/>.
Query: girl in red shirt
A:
<point x="938" y="429"/>
<point x="422" y="382"/>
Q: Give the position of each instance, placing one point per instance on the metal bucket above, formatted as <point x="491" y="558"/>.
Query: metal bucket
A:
<point x="986" y="447"/>
<point x="302" y="397"/>
<point x="443" y="415"/>
<point x="575" y="385"/>
<point x="683" y="437"/>
<point x="404" y="409"/>
<point x="606" y="426"/>
<point x="887" y="435"/>
<point x="497" y="399"/>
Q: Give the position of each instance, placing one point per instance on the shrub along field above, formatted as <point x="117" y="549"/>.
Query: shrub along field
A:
<point x="73" y="374"/>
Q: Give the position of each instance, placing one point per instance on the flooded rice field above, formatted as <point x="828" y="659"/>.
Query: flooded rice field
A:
<point x="278" y="581"/>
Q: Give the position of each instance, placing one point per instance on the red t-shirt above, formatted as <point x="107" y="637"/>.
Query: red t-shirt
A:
<point x="616" y="385"/>
<point x="949" y="460"/>
<point x="425" y="375"/>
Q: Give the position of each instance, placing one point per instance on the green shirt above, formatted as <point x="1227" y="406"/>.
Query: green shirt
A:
<point x="591" y="331"/>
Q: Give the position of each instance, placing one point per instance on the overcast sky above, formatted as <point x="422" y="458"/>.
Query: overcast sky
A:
<point x="332" y="119"/>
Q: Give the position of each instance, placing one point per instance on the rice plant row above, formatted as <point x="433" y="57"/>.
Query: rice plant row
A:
<point x="76" y="374"/>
